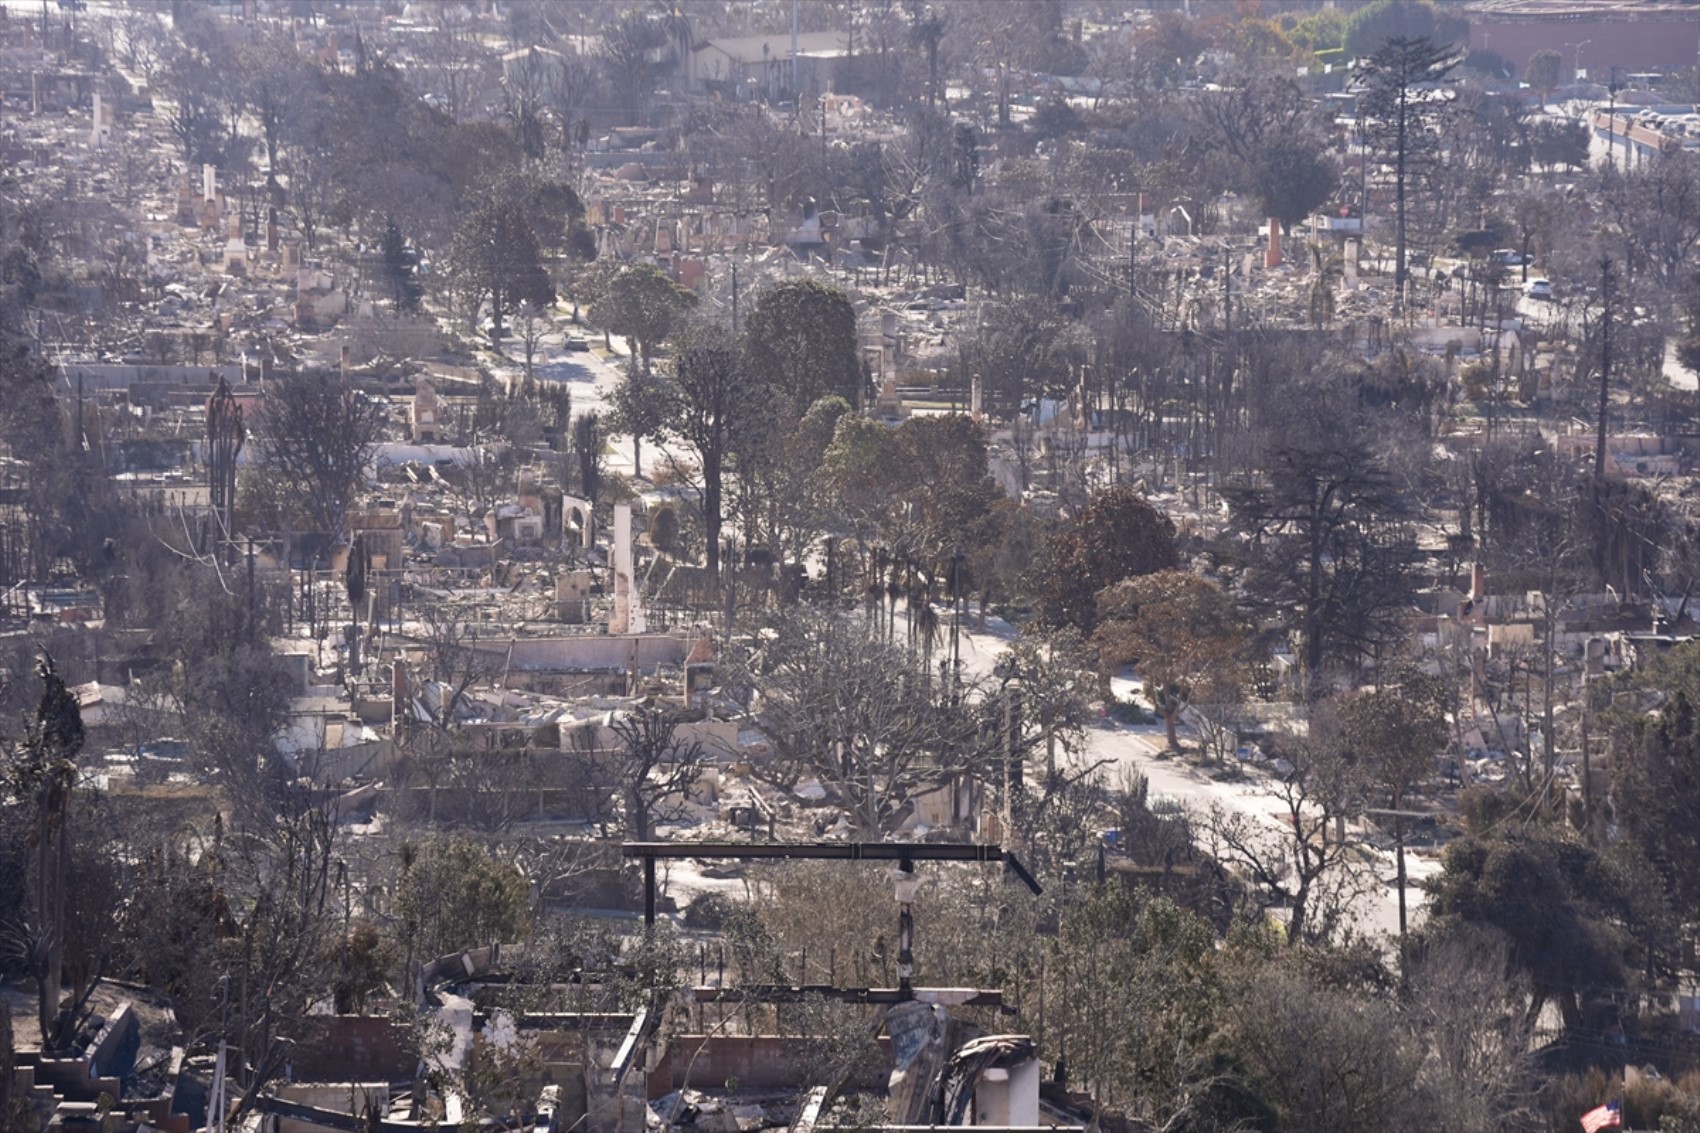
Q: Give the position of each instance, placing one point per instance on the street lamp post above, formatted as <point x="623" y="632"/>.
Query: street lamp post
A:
<point x="1576" y="64"/>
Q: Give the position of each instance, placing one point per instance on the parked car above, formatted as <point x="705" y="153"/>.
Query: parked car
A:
<point x="1538" y="289"/>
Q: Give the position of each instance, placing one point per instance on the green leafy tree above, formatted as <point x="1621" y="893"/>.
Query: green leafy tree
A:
<point x="1133" y="993"/>
<point x="363" y="966"/>
<point x="642" y="305"/>
<point x="787" y="471"/>
<point x="400" y="263"/>
<point x="1266" y="129"/>
<point x="1043" y="704"/>
<point x="1543" y="72"/>
<point x="497" y="260"/>
<point x="1656" y="771"/>
<point x="1181" y="632"/>
<point x="1566" y="909"/>
<point x="638" y="407"/>
<point x="922" y="488"/>
<point x="1117" y="535"/>
<point x="1293" y="178"/>
<point x="802" y="340"/>
<point x="503" y="245"/>
<point x="718" y="407"/>
<point x="1320" y="31"/>
<point x="1371" y="26"/>
<point x="1554" y="142"/>
<point x="1395" y="731"/>
<point x="500" y="1074"/>
<point x="452" y="894"/>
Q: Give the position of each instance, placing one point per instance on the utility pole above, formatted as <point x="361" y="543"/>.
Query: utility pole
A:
<point x="218" y="1098"/>
<point x="1587" y="768"/>
<point x="1401" y="128"/>
<point x="734" y="297"/>
<point x="1611" y="123"/>
<point x="1598" y="486"/>
<point x="1227" y="290"/>
<point x="1363" y="174"/>
<point x="1605" y="368"/>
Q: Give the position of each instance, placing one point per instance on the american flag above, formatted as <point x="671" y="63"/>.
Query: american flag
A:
<point x="1607" y="1116"/>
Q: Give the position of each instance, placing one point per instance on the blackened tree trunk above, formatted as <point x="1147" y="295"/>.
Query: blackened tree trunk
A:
<point x="1402" y="98"/>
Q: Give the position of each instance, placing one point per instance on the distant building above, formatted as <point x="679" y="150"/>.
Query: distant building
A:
<point x="1592" y="36"/>
<point x="760" y="65"/>
<point x="531" y="62"/>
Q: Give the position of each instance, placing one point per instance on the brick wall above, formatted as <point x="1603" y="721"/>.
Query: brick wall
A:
<point x="1646" y="43"/>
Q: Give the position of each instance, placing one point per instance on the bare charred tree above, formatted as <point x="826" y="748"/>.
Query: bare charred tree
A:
<point x="1399" y="93"/>
<point x="1469" y="1009"/>
<point x="438" y="674"/>
<point x="1334" y="1059"/>
<point x="1327" y="542"/>
<point x="278" y="963"/>
<point x="525" y="83"/>
<point x="1395" y="731"/>
<point x="316" y="438"/>
<point x="645" y="762"/>
<point x="454" y="60"/>
<point x="567" y="87"/>
<point x="1301" y="865"/>
<point x="856" y="712"/>
<point x="532" y="323"/>
<point x="628" y="48"/>
<point x="12" y="1110"/>
<point x="1654" y="210"/>
<point x="588" y="440"/>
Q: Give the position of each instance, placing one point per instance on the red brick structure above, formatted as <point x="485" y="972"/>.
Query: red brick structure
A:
<point x="1631" y="35"/>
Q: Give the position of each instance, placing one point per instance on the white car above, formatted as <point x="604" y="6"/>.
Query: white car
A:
<point x="1538" y="289"/>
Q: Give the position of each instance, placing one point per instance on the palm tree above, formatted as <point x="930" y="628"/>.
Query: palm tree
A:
<point x="931" y="629"/>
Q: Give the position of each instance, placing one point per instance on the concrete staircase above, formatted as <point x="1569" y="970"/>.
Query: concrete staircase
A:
<point x="42" y="1099"/>
<point x="64" y="1092"/>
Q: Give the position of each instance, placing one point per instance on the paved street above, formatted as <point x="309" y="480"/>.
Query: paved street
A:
<point x="1120" y="748"/>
